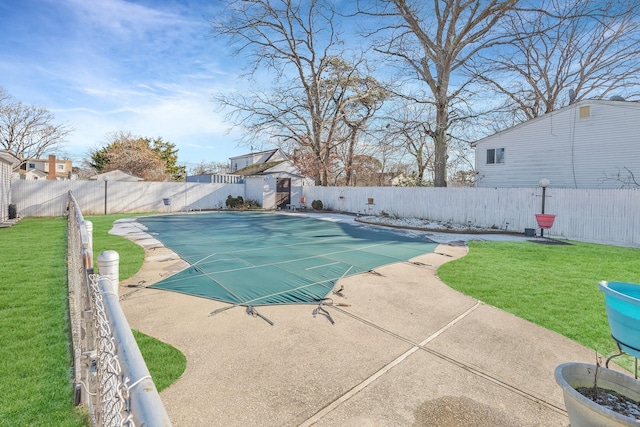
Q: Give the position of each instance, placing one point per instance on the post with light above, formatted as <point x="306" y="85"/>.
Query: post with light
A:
<point x="544" y="183"/>
<point x="106" y="180"/>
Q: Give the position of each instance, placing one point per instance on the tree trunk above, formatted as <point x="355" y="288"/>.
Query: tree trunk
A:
<point x="440" y="146"/>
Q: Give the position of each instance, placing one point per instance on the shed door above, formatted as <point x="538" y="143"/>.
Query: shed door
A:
<point x="283" y="192"/>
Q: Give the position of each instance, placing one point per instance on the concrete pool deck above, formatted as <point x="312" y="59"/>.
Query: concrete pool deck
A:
<point x="404" y="350"/>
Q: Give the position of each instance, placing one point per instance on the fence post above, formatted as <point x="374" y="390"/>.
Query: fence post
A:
<point x="88" y="226"/>
<point x="109" y="265"/>
<point x="145" y="406"/>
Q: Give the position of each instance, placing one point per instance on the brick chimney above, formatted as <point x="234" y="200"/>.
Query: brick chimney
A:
<point x="51" y="175"/>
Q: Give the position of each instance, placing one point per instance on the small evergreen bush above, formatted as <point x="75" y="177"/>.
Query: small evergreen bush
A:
<point x="317" y="205"/>
<point x="234" y="202"/>
<point x="240" y="203"/>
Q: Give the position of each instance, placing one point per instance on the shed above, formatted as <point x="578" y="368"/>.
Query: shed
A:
<point x="275" y="185"/>
<point x="589" y="144"/>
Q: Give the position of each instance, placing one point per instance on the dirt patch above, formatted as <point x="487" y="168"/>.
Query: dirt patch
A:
<point x="550" y="242"/>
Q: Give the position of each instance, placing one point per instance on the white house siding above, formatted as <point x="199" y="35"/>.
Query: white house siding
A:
<point x="570" y="151"/>
<point x="606" y="144"/>
<point x="5" y="189"/>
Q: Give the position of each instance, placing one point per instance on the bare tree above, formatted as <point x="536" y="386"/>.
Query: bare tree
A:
<point x="369" y="96"/>
<point x="624" y="177"/>
<point x="27" y="131"/>
<point x="408" y="126"/>
<point x="433" y="41"/>
<point x="299" y="43"/>
<point x="213" y="167"/>
<point x="565" y="52"/>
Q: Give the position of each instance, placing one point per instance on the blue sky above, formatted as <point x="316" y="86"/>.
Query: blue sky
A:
<point x="144" y="66"/>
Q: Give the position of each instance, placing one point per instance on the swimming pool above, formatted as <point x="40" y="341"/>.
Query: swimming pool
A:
<point x="263" y="258"/>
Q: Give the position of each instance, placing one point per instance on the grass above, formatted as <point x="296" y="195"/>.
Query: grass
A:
<point x="165" y="363"/>
<point x="35" y="359"/>
<point x="131" y="254"/>
<point x="554" y="286"/>
<point x="34" y="329"/>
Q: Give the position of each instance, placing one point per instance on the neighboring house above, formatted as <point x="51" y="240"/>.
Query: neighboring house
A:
<point x="239" y="162"/>
<point x="589" y="144"/>
<point x="51" y="168"/>
<point x="115" y="175"/>
<point x="7" y="162"/>
<point x="216" y="178"/>
<point x="271" y="179"/>
<point x="33" y="175"/>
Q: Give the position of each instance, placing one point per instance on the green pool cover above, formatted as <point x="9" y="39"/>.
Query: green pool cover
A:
<point x="257" y="258"/>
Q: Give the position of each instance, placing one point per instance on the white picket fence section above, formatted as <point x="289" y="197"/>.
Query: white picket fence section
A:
<point x="604" y="216"/>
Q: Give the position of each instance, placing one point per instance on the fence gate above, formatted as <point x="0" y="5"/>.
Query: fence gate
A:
<point x="283" y="192"/>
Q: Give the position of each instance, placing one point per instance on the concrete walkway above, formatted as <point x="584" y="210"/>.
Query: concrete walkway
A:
<point x="404" y="350"/>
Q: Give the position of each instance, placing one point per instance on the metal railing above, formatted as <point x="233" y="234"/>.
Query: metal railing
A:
<point x="109" y="373"/>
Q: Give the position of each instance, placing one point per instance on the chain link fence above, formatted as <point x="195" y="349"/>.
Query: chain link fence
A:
<point x="109" y="373"/>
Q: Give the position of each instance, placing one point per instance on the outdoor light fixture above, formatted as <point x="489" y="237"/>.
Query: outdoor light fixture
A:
<point x="544" y="221"/>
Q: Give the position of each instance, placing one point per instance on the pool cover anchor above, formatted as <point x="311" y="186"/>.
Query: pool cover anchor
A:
<point x="322" y="311"/>
<point x="251" y="311"/>
<point x="339" y="292"/>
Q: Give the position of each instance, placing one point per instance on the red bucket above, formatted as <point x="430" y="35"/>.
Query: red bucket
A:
<point x="545" y="220"/>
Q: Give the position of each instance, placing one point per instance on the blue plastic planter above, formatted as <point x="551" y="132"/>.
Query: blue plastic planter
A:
<point x="622" y="301"/>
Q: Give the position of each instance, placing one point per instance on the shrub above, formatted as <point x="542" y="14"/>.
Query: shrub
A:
<point x="234" y="202"/>
<point x="251" y="204"/>
<point x="240" y="203"/>
<point x="317" y="205"/>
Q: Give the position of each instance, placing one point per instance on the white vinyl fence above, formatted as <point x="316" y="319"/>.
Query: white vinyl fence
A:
<point x="48" y="198"/>
<point x="605" y="216"/>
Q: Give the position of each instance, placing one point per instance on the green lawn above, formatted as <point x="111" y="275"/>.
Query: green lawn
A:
<point x="555" y="286"/>
<point x="35" y="361"/>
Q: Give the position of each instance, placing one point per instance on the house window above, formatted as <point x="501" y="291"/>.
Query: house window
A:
<point x="60" y="167"/>
<point x="585" y="112"/>
<point x="32" y="166"/>
<point x="495" y="155"/>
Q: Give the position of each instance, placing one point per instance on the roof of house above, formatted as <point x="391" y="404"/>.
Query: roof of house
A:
<point x="270" y="152"/>
<point x="626" y="104"/>
<point x="34" y="172"/>
<point x="257" y="168"/>
<point x="8" y="157"/>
